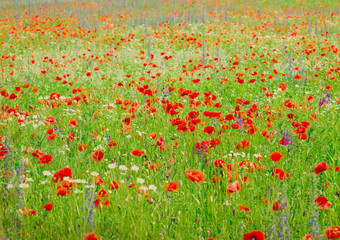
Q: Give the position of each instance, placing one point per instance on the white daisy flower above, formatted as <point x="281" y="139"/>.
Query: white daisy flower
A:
<point x="140" y="180"/>
<point x="135" y="168"/>
<point x="24" y="185"/>
<point x="112" y="165"/>
<point x="79" y="181"/>
<point x="76" y="190"/>
<point x="143" y="188"/>
<point x="123" y="168"/>
<point x="47" y="173"/>
<point x="153" y="188"/>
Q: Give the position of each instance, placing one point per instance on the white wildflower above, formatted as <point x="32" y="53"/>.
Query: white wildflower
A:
<point x="112" y="165"/>
<point x="140" y="180"/>
<point x="123" y="168"/>
<point x="76" y="190"/>
<point x="153" y="188"/>
<point x="47" y="173"/>
<point x="135" y="168"/>
<point x="143" y="188"/>
<point x="99" y="147"/>
<point x="24" y="185"/>
<point x="79" y="181"/>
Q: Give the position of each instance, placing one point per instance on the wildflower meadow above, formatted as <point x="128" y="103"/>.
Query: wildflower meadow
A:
<point x="174" y="119"/>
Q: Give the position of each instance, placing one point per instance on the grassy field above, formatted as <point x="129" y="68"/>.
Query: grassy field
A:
<point x="177" y="119"/>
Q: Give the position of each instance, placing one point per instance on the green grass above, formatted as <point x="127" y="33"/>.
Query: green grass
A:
<point x="197" y="210"/>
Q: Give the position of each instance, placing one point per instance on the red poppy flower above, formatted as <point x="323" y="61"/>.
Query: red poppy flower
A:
<point x="51" y="137"/>
<point x="49" y="131"/>
<point x="112" y="144"/>
<point x="244" y="144"/>
<point x="209" y="130"/>
<point x="305" y="124"/>
<point x="194" y="175"/>
<point x="152" y="135"/>
<point x="64" y="172"/>
<point x="302" y="136"/>
<point x="82" y="147"/>
<point x="229" y="117"/>
<point x="62" y="191"/>
<point x="97" y="203"/>
<point x="48" y="206"/>
<point x="97" y="156"/>
<point x="91" y="236"/>
<point x="322" y="203"/>
<point x="310" y="99"/>
<point x="219" y="163"/>
<point x="171" y="186"/>
<point x="103" y="193"/>
<point x="279" y="173"/>
<point x="276" y="156"/>
<point x="275" y="206"/>
<point x="114" y="185"/>
<point x="332" y="232"/>
<point x="45" y="159"/>
<point x="296" y="124"/>
<point x="233" y="187"/>
<point x="300" y="130"/>
<point x="241" y="207"/>
<point x="106" y="203"/>
<point x="126" y="121"/>
<point x="70" y="137"/>
<point x="254" y="235"/>
<point x="298" y="77"/>
<point x="290" y="116"/>
<point x="320" y="167"/>
<point x="12" y="96"/>
<point x="50" y="121"/>
<point x="137" y="152"/>
<point x="98" y="181"/>
<point x="73" y="123"/>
